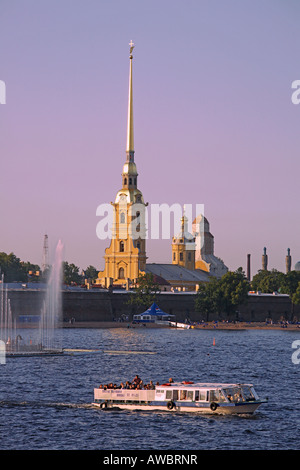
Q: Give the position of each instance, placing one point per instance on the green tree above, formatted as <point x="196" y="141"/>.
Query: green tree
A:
<point x="290" y="283"/>
<point x="222" y="295"/>
<point x="91" y="273"/>
<point x="11" y="267"/>
<point x="71" y="274"/>
<point x="234" y="287"/>
<point x="296" y="296"/>
<point x="209" y="298"/>
<point x="146" y="291"/>
<point x="27" y="267"/>
<point x="267" y="281"/>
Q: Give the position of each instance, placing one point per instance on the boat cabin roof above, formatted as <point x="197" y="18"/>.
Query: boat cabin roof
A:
<point x="197" y="385"/>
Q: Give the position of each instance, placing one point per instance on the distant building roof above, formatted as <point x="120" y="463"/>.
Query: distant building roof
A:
<point x="175" y="273"/>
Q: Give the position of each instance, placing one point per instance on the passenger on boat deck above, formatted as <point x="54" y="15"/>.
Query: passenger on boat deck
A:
<point x="137" y="383"/>
<point x="136" y="380"/>
<point x="151" y="385"/>
<point x="171" y="380"/>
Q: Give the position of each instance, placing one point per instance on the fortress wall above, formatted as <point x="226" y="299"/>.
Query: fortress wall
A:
<point x="104" y="306"/>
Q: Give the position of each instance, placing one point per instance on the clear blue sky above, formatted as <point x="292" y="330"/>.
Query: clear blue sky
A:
<point x="213" y="117"/>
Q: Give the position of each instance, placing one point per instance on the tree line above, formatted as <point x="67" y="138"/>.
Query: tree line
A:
<point x="224" y="295"/>
<point x="217" y="296"/>
<point x="15" y="270"/>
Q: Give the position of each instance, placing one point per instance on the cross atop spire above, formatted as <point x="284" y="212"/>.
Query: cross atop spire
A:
<point x="131" y="44"/>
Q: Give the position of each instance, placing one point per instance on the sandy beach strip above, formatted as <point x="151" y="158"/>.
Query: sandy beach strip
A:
<point x="200" y="326"/>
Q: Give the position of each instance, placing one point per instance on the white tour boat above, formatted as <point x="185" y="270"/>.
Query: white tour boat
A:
<point x="219" y="398"/>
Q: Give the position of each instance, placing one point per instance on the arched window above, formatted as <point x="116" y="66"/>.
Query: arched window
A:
<point x="121" y="273"/>
<point x="181" y="256"/>
<point x="138" y="245"/>
<point x="174" y="256"/>
<point x="125" y="181"/>
<point x="130" y="181"/>
<point x="122" y="247"/>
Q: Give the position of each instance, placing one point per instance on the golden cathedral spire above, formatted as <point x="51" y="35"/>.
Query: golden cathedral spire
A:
<point x="130" y="139"/>
<point x="125" y="258"/>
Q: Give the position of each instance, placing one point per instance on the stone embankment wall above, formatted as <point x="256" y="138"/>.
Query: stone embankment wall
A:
<point x="104" y="306"/>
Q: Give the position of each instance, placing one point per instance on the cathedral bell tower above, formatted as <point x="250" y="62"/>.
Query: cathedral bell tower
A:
<point x="183" y="247"/>
<point x="125" y="259"/>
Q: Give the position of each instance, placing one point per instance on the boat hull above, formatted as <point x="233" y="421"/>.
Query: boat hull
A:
<point x="223" y="409"/>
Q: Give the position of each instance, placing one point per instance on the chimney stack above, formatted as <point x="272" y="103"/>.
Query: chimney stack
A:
<point x="249" y="267"/>
<point x="288" y="261"/>
<point x="265" y="260"/>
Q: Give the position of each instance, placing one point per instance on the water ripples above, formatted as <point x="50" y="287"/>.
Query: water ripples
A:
<point x="46" y="403"/>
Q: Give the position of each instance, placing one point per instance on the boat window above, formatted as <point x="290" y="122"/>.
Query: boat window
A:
<point x="175" y="395"/>
<point x="233" y="394"/>
<point x="247" y="394"/>
<point x="190" y="394"/>
<point x="169" y="395"/>
<point x="200" y="395"/>
<point x="214" y="395"/>
<point x="183" y="394"/>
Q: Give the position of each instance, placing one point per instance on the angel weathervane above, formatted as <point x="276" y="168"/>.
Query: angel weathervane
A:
<point x="131" y="44"/>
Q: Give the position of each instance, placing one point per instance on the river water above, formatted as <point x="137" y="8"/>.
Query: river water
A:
<point x="45" y="402"/>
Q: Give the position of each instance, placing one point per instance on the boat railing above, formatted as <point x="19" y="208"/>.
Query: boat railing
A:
<point x="124" y="394"/>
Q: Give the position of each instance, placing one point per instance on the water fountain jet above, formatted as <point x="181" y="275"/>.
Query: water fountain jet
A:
<point x="51" y="314"/>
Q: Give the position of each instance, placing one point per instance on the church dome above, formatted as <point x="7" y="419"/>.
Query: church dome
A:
<point x="297" y="266"/>
<point x="184" y="236"/>
<point x="130" y="169"/>
<point x="127" y="196"/>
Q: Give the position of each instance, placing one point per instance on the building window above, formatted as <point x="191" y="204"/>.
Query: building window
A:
<point x="125" y="181"/>
<point x="121" y="273"/>
<point x="189" y="257"/>
<point x="135" y="181"/>
<point x="181" y="256"/>
<point x="130" y="181"/>
<point x="122" y="218"/>
<point x="138" y="245"/>
<point x="122" y="247"/>
<point x="174" y="256"/>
